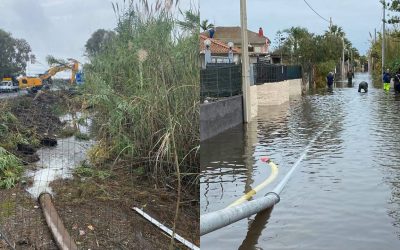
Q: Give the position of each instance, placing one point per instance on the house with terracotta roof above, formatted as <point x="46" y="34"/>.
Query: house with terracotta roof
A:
<point x="258" y="43"/>
<point x="219" y="51"/>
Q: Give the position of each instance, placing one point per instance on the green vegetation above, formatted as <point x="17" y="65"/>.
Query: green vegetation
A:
<point x="205" y="25"/>
<point x="392" y="52"/>
<point x="82" y="136"/>
<point x="392" y="44"/>
<point x="14" y="54"/>
<point x="7" y="208"/>
<point x="87" y="171"/>
<point x="98" y="41"/>
<point x="318" y="54"/>
<point x="10" y="169"/>
<point x="12" y="132"/>
<point x="144" y="90"/>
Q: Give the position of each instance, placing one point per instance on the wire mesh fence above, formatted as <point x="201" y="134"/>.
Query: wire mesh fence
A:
<point x="49" y="144"/>
<point x="220" y="80"/>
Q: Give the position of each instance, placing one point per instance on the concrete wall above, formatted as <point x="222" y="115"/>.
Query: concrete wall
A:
<point x="295" y="87"/>
<point x="273" y="93"/>
<point x="216" y="117"/>
<point x="253" y="101"/>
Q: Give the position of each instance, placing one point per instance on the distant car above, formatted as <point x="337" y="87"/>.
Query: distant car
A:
<point x="9" y="86"/>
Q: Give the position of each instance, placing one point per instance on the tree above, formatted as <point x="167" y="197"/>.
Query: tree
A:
<point x="205" y="25"/>
<point x="394" y="6"/>
<point x="14" y="54"/>
<point x="98" y="41"/>
<point x="336" y="31"/>
<point x="191" y="22"/>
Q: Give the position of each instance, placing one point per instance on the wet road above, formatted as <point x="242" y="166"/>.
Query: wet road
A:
<point x="345" y="193"/>
<point x="8" y="95"/>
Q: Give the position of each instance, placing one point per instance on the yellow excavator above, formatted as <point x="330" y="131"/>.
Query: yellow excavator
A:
<point x="44" y="80"/>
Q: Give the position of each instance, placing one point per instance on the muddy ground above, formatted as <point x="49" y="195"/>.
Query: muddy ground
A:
<point x="96" y="211"/>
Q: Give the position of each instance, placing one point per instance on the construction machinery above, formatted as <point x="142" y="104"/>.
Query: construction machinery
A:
<point x="72" y="65"/>
<point x="44" y="80"/>
<point x="30" y="83"/>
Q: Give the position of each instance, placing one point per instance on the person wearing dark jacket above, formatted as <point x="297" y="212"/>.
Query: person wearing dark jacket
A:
<point x="329" y="79"/>
<point x="396" y="80"/>
<point x="363" y="86"/>
<point x="350" y="76"/>
<point x="386" y="80"/>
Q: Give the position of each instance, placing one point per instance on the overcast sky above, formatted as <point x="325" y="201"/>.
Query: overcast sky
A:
<point x="58" y="27"/>
<point x="356" y="17"/>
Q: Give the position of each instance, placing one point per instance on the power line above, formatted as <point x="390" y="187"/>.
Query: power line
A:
<point x="316" y="12"/>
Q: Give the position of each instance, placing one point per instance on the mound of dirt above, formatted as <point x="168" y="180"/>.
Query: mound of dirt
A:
<point x="37" y="112"/>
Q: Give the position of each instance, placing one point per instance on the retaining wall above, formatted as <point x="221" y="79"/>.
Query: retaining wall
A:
<point x="216" y="117"/>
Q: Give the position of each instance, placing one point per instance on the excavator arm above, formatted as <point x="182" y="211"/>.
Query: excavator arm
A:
<point x="73" y="66"/>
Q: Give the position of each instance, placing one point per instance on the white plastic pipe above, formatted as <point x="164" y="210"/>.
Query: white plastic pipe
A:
<point x="166" y="229"/>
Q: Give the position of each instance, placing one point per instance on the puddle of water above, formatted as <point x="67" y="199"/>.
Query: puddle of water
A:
<point x="83" y="127"/>
<point x="59" y="162"/>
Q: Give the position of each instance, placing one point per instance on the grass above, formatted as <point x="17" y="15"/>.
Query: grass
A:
<point x="10" y="169"/>
<point x="68" y="132"/>
<point x="90" y="172"/>
<point x="82" y="136"/>
<point x="7" y="208"/>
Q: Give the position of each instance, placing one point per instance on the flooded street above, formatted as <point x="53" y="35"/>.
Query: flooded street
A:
<point x="345" y="193"/>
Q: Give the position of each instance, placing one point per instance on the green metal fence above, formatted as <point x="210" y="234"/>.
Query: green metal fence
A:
<point x="220" y="80"/>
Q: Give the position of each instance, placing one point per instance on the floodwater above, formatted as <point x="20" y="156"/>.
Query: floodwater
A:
<point x="345" y="194"/>
<point x="58" y="162"/>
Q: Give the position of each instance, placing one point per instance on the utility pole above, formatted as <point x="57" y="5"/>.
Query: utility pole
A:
<point x="343" y="59"/>
<point x="245" y="63"/>
<point x="351" y="57"/>
<point x="383" y="36"/>
<point x="375" y="36"/>
<point x="280" y="47"/>
<point x="330" y="23"/>
<point x="348" y="60"/>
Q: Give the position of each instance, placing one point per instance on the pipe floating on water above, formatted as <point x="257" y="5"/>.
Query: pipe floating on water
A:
<point x="221" y="218"/>
<point x="55" y="224"/>
<point x="251" y="193"/>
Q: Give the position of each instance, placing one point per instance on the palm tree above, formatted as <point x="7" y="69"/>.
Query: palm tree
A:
<point x="336" y="31"/>
<point x="205" y="25"/>
<point x="191" y="22"/>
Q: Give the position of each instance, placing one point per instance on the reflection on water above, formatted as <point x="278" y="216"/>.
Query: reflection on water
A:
<point x="346" y="192"/>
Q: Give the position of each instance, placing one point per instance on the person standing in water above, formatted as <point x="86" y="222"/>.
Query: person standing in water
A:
<point x="350" y="76"/>
<point x="386" y="80"/>
<point x="329" y="80"/>
<point x="396" y="80"/>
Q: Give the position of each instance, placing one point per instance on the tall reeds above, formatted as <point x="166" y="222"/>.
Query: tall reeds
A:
<point x="144" y="88"/>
